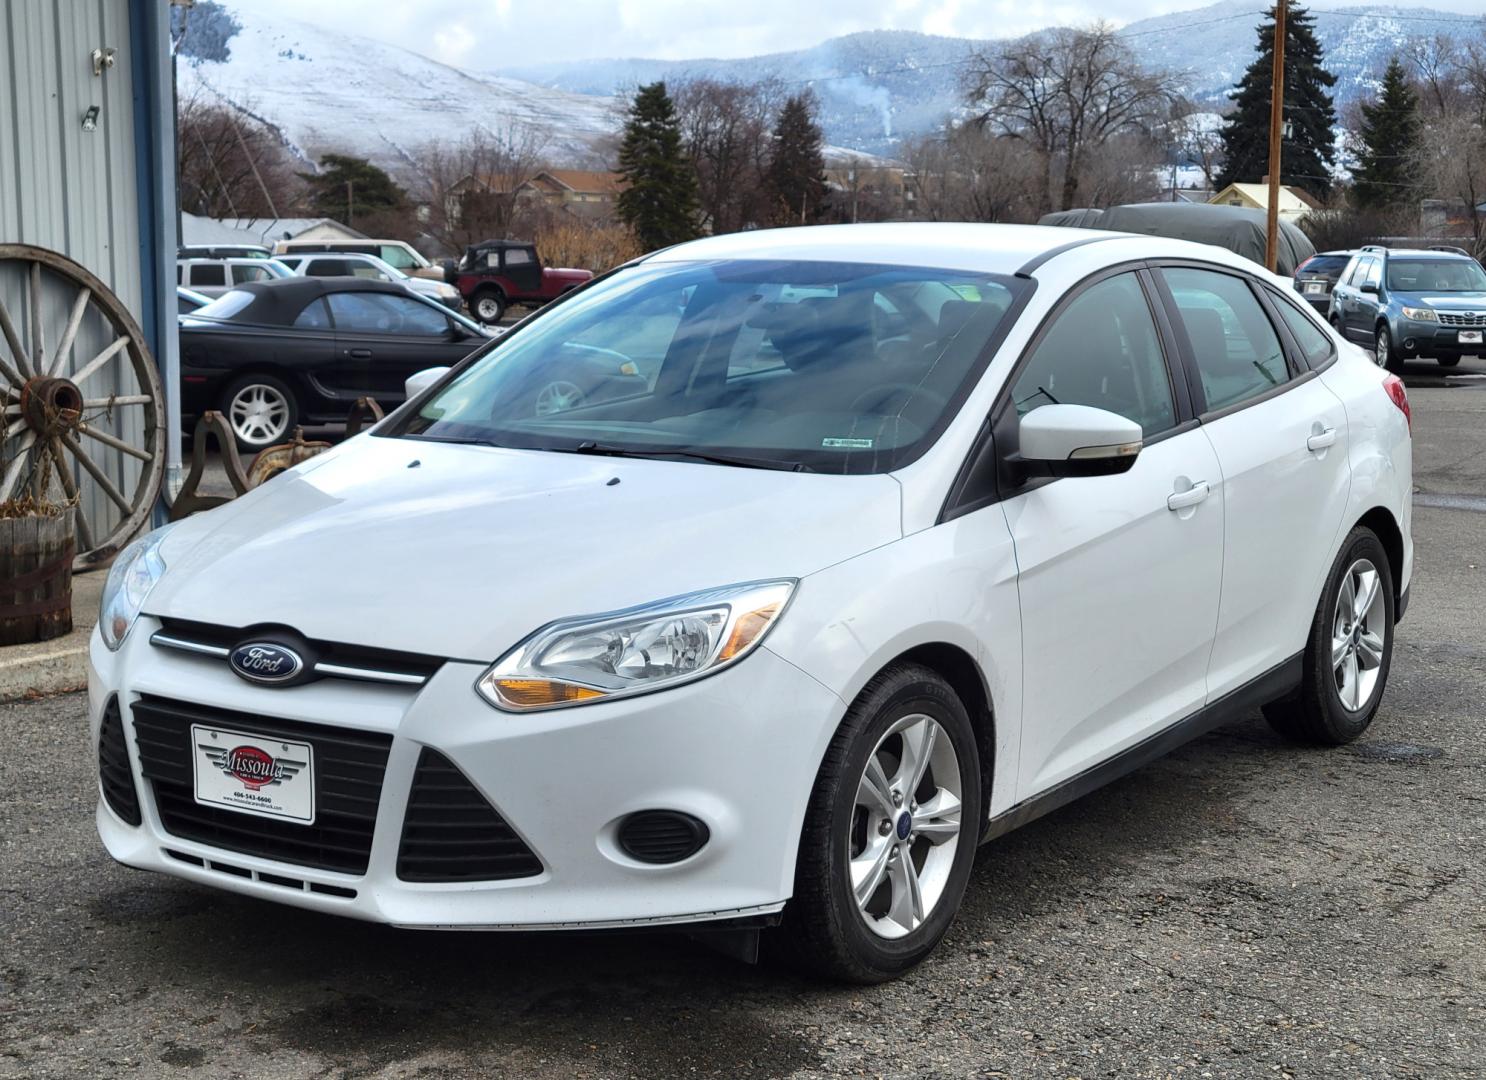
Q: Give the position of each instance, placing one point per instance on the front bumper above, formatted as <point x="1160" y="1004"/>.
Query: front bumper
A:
<point x="738" y="750"/>
<point x="1431" y="339"/>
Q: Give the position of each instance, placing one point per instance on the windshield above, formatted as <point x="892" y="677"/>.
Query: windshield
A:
<point x="823" y="366"/>
<point x="226" y="305"/>
<point x="1436" y="275"/>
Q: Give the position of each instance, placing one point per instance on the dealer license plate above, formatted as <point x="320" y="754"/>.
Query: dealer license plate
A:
<point x="253" y="774"/>
<point x="1315" y="288"/>
<point x="1470" y="337"/>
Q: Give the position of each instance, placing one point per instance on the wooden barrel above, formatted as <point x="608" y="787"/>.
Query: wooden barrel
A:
<point x="35" y="578"/>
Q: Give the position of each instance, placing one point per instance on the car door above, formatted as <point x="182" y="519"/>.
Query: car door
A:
<point x="1118" y="576"/>
<point x="1280" y="436"/>
<point x="1347" y="300"/>
<point x="1368" y="301"/>
<point x="381" y="338"/>
<point x="522" y="270"/>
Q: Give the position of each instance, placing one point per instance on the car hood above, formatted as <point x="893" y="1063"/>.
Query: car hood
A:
<point x="1472" y="301"/>
<point x="462" y="551"/>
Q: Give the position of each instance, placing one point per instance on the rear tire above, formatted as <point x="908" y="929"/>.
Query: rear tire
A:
<point x="908" y="850"/>
<point x="1349" y="653"/>
<point x="489" y="306"/>
<point x="261" y="410"/>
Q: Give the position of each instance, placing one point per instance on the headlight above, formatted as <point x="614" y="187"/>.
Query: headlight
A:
<point x="1419" y="314"/>
<point x="629" y="652"/>
<point x="130" y="580"/>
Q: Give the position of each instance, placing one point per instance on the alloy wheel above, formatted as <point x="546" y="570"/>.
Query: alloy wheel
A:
<point x="1382" y="348"/>
<point x="905" y="826"/>
<point x="259" y="414"/>
<point x="559" y="396"/>
<point x="1358" y="635"/>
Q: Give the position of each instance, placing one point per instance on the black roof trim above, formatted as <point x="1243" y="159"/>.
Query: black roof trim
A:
<point x="1025" y="271"/>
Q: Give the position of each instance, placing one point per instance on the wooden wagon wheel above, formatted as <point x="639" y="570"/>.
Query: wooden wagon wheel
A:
<point x="84" y="408"/>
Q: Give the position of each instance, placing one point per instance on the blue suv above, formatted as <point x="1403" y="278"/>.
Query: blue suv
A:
<point x="1403" y="303"/>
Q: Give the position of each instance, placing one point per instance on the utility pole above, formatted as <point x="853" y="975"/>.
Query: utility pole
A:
<point x="1276" y="127"/>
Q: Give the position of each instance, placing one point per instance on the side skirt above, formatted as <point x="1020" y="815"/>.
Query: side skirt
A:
<point x="1270" y="686"/>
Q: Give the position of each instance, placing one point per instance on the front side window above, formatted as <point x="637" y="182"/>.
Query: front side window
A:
<point x="397" y="256"/>
<point x="383" y="313"/>
<point x="1374" y="274"/>
<point x="1102" y="350"/>
<point x="315" y="316"/>
<point x="1436" y="275"/>
<point x="835" y="367"/>
<point x="1236" y="349"/>
<point x="241" y="274"/>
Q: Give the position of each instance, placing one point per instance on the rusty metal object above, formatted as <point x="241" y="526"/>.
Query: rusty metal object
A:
<point x="189" y="502"/>
<point x="54" y="432"/>
<point x="276" y="459"/>
<point x="364" y="413"/>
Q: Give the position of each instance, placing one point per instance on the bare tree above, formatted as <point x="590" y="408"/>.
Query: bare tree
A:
<point x="967" y="173"/>
<point x="471" y="190"/>
<point x="231" y="165"/>
<point x="725" y="129"/>
<point x="1198" y="140"/>
<point x="1066" y="93"/>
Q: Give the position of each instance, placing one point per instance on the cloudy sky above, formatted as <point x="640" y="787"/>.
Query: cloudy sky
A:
<point x="495" y="33"/>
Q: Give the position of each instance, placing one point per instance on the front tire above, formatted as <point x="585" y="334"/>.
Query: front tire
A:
<point x="261" y="410"/>
<point x="890" y="832"/>
<point x="1388" y="356"/>
<point x="1350" y="651"/>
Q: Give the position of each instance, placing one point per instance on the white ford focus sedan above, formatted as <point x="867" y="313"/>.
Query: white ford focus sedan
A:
<point x="881" y="541"/>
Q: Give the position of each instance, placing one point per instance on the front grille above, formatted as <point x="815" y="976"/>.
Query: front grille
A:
<point x="451" y="833"/>
<point x="349" y="766"/>
<point x="1447" y="319"/>
<point x="113" y="766"/>
<point x="326" y="659"/>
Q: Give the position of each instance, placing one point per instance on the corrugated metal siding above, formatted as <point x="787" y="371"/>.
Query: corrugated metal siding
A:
<point x="73" y="191"/>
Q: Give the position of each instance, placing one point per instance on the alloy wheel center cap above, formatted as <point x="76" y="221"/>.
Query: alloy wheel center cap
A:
<point x="904" y="825"/>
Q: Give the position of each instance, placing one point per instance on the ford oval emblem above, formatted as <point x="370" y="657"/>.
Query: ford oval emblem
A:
<point x="264" y="662"/>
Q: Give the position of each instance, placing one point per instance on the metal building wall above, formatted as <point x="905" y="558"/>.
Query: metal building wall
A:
<point x="74" y="191"/>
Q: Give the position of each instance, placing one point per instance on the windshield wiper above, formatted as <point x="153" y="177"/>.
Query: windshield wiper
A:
<point x="605" y="450"/>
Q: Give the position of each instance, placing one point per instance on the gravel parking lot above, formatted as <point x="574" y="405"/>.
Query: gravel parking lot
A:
<point x="1241" y="908"/>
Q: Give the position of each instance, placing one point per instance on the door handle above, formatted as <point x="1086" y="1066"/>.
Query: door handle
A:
<point x="1180" y="500"/>
<point x="359" y="354"/>
<point x="1321" y="439"/>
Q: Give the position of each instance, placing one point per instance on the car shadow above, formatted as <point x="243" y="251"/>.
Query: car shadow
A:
<point x="662" y="1002"/>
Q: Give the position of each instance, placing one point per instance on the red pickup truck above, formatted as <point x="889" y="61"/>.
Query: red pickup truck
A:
<point x="497" y="273"/>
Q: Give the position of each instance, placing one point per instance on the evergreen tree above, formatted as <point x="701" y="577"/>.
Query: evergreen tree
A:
<point x="1307" y="155"/>
<point x="659" y="201"/>
<point x="796" y="177"/>
<point x="350" y="188"/>
<point x="1390" y="139"/>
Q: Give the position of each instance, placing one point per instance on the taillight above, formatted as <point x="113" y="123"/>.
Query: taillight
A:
<point x="1393" y="387"/>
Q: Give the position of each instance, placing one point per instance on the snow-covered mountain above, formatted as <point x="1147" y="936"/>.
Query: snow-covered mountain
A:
<point x="325" y="91"/>
<point x="328" y="92"/>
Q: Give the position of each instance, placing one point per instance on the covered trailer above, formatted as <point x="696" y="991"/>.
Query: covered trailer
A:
<point x="1240" y="229"/>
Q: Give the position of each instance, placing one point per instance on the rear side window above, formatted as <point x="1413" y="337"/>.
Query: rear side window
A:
<point x="1236" y="349"/>
<point x="328" y="268"/>
<point x="208" y="274"/>
<point x="1102" y="350"/>
<point x="1315" y="346"/>
<point x="1352" y="275"/>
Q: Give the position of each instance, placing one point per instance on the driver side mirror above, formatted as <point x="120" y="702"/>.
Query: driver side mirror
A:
<point x="1368" y="287"/>
<point x="421" y="381"/>
<point x="1076" y="440"/>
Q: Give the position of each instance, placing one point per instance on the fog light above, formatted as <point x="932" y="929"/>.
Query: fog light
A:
<point x="662" y="836"/>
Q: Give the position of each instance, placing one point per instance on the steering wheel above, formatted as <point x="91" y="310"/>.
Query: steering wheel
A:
<point x="883" y="393"/>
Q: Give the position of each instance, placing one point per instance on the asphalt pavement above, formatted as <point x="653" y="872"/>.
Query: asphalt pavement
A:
<point x="1241" y="908"/>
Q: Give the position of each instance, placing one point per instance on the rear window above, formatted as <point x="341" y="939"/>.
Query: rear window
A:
<point x="1324" y="264"/>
